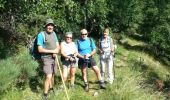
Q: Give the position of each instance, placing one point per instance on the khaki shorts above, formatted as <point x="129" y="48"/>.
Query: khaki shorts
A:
<point x="67" y="64"/>
<point x="49" y="66"/>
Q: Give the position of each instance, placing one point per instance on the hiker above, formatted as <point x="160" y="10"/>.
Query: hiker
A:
<point x="48" y="49"/>
<point x="86" y="50"/>
<point x="106" y="56"/>
<point x="68" y="57"/>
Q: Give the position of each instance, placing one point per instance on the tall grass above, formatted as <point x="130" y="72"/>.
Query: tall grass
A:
<point x="16" y="70"/>
<point x="131" y="76"/>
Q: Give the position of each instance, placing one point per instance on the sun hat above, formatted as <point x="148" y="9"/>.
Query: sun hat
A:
<point x="49" y="21"/>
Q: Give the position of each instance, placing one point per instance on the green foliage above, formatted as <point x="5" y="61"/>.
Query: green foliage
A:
<point x="129" y="84"/>
<point x="22" y="19"/>
<point x="8" y="73"/>
<point x="16" y="70"/>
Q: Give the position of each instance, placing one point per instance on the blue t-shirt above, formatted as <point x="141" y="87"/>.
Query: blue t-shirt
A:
<point x="85" y="46"/>
<point x="40" y="40"/>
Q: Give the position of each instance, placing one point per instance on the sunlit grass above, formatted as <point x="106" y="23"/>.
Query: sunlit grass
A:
<point x="135" y="73"/>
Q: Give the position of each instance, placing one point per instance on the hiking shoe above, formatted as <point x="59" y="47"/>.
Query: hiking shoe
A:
<point x="45" y="96"/>
<point x="102" y="85"/>
<point x="86" y="87"/>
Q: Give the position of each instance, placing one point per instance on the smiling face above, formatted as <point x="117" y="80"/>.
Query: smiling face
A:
<point x="49" y="28"/>
<point x="68" y="38"/>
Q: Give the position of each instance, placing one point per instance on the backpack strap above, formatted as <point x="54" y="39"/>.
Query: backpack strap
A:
<point x="100" y="46"/>
<point x="90" y="43"/>
<point x="108" y="41"/>
<point x="78" y="44"/>
<point x="43" y="34"/>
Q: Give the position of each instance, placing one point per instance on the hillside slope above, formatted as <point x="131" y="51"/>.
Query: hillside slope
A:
<point x="138" y="76"/>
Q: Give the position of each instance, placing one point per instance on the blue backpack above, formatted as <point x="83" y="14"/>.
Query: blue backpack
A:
<point x="34" y="47"/>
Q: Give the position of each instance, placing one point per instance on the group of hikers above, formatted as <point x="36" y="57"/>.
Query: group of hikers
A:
<point x="75" y="54"/>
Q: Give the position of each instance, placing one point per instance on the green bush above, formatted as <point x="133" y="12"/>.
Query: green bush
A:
<point x="16" y="69"/>
<point x="8" y="73"/>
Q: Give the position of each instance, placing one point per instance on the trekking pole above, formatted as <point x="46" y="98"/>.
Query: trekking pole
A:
<point x="62" y="78"/>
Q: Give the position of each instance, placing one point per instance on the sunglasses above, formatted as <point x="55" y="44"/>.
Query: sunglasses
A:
<point x="69" y="37"/>
<point x="84" y="34"/>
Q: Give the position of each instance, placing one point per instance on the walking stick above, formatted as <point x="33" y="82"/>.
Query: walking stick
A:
<point x="62" y="77"/>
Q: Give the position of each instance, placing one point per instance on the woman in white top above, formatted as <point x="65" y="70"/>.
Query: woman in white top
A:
<point x="106" y="58"/>
<point x="69" y="59"/>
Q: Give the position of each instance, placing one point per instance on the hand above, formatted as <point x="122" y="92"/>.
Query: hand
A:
<point x="101" y="51"/>
<point x="67" y="58"/>
<point x="55" y="51"/>
<point x="87" y="56"/>
<point x="74" y="54"/>
<point x="54" y="55"/>
<point x="71" y="59"/>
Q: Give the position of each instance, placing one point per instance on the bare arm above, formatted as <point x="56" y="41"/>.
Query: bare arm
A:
<point x="80" y="56"/>
<point x="57" y="47"/>
<point x="99" y="47"/>
<point x="42" y="50"/>
<point x="93" y="52"/>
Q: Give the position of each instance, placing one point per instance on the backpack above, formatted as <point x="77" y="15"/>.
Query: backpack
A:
<point x="34" y="47"/>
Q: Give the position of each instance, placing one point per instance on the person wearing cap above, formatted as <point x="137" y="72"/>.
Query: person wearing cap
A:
<point x="106" y="50"/>
<point x="48" y="46"/>
<point x="68" y="57"/>
<point x="86" y="50"/>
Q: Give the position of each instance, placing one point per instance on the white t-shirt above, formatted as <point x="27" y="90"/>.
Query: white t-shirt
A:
<point x="69" y="48"/>
<point x="106" y="44"/>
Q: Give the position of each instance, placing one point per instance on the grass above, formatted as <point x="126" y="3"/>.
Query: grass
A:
<point x="136" y="79"/>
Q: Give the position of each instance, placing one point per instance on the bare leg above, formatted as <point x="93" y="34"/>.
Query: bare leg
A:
<point x="84" y="74"/>
<point x="72" y="75"/>
<point x="47" y="83"/>
<point x="65" y="73"/>
<point x="97" y="71"/>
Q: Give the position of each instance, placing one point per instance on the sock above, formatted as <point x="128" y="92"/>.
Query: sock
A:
<point x="45" y="94"/>
<point x="86" y="83"/>
<point x="51" y="89"/>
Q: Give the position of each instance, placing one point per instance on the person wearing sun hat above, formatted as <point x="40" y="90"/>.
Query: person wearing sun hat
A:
<point x="48" y="46"/>
<point x="49" y="21"/>
<point x="68" y="57"/>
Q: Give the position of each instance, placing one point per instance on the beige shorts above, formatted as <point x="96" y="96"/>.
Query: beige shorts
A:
<point x="49" y="66"/>
<point x="67" y="64"/>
